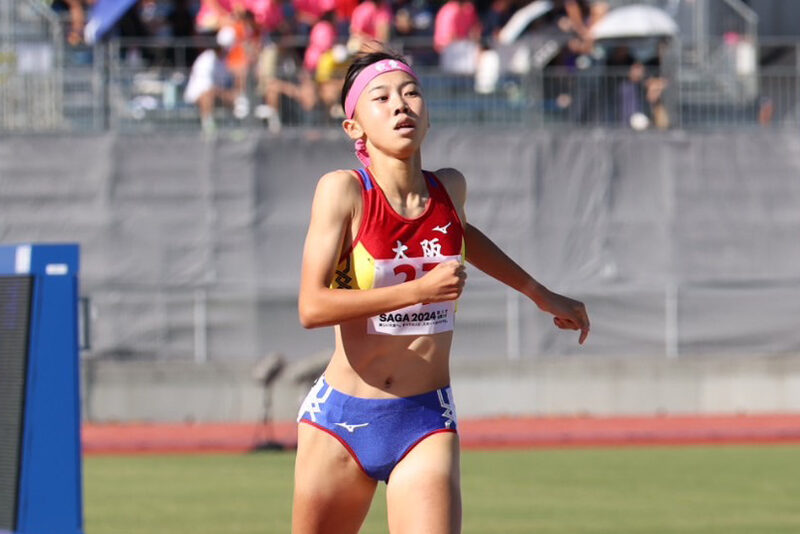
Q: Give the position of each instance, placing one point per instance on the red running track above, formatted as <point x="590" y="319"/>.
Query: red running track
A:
<point x="551" y="432"/>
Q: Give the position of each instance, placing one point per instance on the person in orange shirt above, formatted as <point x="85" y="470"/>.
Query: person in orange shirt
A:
<point x="246" y="47"/>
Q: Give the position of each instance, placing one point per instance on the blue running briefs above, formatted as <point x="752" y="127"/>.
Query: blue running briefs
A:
<point x="378" y="433"/>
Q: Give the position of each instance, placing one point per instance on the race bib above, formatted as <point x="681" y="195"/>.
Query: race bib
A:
<point x="418" y="319"/>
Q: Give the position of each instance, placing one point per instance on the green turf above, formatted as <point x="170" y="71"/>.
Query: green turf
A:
<point x="725" y="490"/>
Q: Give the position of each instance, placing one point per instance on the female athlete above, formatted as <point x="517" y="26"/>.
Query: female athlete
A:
<point x="383" y="264"/>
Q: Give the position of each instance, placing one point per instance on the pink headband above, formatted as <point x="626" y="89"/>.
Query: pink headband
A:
<point x="368" y="74"/>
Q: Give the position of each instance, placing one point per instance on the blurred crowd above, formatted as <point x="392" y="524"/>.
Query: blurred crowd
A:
<point x="293" y="54"/>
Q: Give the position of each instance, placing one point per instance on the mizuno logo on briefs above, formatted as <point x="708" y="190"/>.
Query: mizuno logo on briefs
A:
<point x="351" y="428"/>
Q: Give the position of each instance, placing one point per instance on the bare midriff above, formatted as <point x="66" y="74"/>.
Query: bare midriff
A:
<point x="382" y="366"/>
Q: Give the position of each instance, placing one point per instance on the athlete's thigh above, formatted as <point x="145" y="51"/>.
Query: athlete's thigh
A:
<point x="423" y="494"/>
<point x="331" y="493"/>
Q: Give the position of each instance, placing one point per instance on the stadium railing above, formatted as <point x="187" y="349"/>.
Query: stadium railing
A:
<point x="31" y="67"/>
<point x="137" y="86"/>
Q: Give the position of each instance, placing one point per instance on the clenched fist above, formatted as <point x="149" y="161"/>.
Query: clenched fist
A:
<point x="443" y="282"/>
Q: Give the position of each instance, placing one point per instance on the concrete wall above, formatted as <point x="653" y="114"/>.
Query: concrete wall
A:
<point x="680" y="244"/>
<point x="177" y="392"/>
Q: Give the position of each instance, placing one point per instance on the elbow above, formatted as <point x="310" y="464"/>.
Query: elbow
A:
<point x="308" y="322"/>
<point x="309" y="315"/>
<point x="306" y="318"/>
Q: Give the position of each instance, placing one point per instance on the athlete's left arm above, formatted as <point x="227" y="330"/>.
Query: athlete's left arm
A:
<point x="483" y="253"/>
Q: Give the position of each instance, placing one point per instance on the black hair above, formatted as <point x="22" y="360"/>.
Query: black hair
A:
<point x="361" y="61"/>
<point x="328" y="16"/>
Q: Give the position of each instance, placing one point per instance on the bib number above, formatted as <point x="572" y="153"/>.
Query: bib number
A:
<point x="418" y="319"/>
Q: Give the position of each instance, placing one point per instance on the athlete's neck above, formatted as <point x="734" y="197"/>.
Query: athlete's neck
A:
<point x="399" y="178"/>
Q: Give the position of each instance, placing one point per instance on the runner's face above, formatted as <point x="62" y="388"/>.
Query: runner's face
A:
<point x="393" y="114"/>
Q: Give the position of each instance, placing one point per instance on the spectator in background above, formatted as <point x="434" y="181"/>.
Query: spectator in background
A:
<point x="277" y="91"/>
<point x="181" y="26"/>
<point x="130" y="25"/>
<point x="268" y="14"/>
<point x="655" y="97"/>
<point x="267" y="72"/>
<point x="154" y="17"/>
<point x="77" y="18"/>
<point x="640" y="100"/>
<point x="331" y="71"/>
<point x="632" y="98"/>
<point x="309" y="12"/>
<point x="244" y="52"/>
<point x="403" y="24"/>
<point x="575" y="16"/>
<point x="420" y="15"/>
<point x="413" y="18"/>
<point x="487" y="69"/>
<point x="597" y="11"/>
<point x="496" y="17"/>
<point x="456" y="20"/>
<point x="213" y="15"/>
<point x="210" y="80"/>
<point x="580" y="16"/>
<point x="344" y="12"/>
<point x="371" y="21"/>
<point x="322" y="38"/>
<point x="413" y="26"/>
<point x="282" y="81"/>
<point x="180" y="20"/>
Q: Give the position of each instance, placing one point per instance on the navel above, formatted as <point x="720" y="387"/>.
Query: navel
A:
<point x="387" y="384"/>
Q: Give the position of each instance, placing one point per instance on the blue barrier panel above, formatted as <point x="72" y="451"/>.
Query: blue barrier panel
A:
<point x="40" y="448"/>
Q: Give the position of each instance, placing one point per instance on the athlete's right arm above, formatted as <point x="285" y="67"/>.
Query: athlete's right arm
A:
<point x="336" y="199"/>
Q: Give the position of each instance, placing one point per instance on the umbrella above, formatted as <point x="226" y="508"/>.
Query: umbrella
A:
<point x="634" y="21"/>
<point x="105" y="14"/>
<point x="520" y="20"/>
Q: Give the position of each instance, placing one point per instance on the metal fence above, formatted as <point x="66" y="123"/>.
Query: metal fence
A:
<point x="31" y="67"/>
<point x="718" y="74"/>
<point x="138" y="87"/>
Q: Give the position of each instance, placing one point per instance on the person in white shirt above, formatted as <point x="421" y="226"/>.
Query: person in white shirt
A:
<point x="210" y="80"/>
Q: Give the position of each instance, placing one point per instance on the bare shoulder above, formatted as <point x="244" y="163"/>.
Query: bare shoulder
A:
<point x="339" y="182"/>
<point x="341" y="188"/>
<point x="455" y="183"/>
